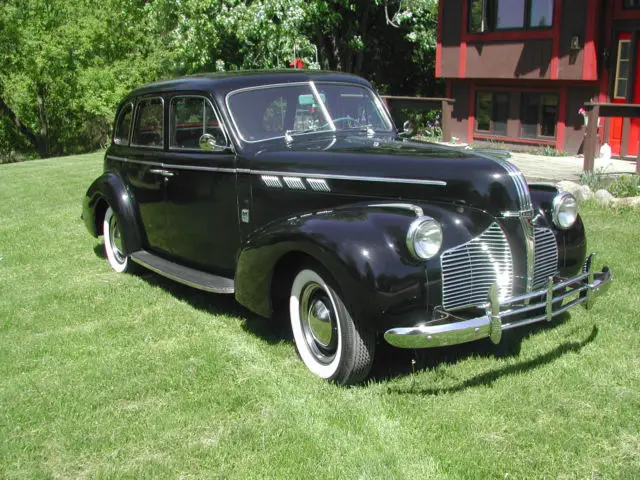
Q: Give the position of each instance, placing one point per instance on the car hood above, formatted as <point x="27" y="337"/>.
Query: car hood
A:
<point x="389" y="167"/>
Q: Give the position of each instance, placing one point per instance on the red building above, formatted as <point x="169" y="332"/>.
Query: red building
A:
<point x="520" y="70"/>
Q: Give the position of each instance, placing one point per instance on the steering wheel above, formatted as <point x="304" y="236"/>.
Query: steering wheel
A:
<point x="357" y="123"/>
<point x="348" y="119"/>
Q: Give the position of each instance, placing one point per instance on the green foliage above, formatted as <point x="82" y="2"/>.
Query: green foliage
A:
<point x="425" y="123"/>
<point x="547" y="151"/>
<point x="596" y="179"/>
<point x="65" y="65"/>
<point x="625" y="186"/>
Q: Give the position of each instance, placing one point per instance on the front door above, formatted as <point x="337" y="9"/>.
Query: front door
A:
<point x="201" y="207"/>
<point x="625" y="134"/>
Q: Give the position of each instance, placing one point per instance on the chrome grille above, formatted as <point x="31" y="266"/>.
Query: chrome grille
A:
<point x="546" y="256"/>
<point x="469" y="270"/>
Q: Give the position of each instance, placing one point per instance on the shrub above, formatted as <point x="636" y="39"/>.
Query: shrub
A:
<point x="596" y="179"/>
<point x="625" y="186"/>
<point x="548" y="151"/>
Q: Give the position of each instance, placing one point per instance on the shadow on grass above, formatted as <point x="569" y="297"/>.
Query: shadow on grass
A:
<point x="271" y="331"/>
<point x="393" y="362"/>
<point x="389" y="362"/>
<point x="488" y="378"/>
<point x="98" y="249"/>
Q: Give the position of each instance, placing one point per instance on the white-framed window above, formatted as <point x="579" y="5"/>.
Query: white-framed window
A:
<point x="623" y="66"/>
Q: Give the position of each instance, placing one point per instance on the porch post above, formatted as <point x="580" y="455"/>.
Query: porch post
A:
<point x="447" y="108"/>
<point x="591" y="139"/>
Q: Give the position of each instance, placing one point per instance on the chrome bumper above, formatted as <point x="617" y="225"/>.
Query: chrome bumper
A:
<point x="553" y="301"/>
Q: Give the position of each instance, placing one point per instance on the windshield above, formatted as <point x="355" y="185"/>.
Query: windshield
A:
<point x="263" y="113"/>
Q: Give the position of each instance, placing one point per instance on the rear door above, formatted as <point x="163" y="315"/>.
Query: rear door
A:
<point x="144" y="171"/>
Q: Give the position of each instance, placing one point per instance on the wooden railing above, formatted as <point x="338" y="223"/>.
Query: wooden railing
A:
<point x="445" y="105"/>
<point x="606" y="111"/>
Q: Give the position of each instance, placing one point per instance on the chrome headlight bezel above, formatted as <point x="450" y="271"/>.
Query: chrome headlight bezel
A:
<point x="561" y="202"/>
<point x="433" y="229"/>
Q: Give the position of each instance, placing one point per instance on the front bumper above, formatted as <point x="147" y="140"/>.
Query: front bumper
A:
<point x="513" y="312"/>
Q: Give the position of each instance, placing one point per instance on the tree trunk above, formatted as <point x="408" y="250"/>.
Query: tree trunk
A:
<point x="38" y="143"/>
<point x="25" y="131"/>
<point x="43" y="147"/>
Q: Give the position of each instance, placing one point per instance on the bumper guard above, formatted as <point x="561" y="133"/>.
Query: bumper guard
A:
<point x="553" y="300"/>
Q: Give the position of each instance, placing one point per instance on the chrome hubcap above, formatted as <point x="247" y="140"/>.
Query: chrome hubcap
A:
<point x="319" y="322"/>
<point x="116" y="239"/>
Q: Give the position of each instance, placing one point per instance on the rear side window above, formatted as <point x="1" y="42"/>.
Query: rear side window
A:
<point x="123" y="125"/>
<point x="148" y="130"/>
<point x="192" y="117"/>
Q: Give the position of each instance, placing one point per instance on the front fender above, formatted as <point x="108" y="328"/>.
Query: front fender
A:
<point x="110" y="190"/>
<point x="572" y="243"/>
<point x="363" y="246"/>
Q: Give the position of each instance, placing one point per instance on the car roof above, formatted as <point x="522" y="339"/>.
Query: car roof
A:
<point x="224" y="82"/>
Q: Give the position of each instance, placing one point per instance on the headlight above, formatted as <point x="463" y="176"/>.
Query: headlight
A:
<point x="424" y="238"/>
<point x="565" y="210"/>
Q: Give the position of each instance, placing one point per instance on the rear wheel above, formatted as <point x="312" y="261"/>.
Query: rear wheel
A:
<point x="330" y="342"/>
<point x="113" y="243"/>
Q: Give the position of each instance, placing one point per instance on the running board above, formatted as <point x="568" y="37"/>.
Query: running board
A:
<point x="185" y="275"/>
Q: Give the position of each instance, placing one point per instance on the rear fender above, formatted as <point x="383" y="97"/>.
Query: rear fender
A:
<point x="110" y="190"/>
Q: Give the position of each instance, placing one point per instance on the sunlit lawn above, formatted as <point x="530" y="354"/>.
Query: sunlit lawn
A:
<point x="134" y="376"/>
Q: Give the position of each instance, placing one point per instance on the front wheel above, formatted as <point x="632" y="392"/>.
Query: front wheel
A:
<point x="331" y="344"/>
<point x="113" y="243"/>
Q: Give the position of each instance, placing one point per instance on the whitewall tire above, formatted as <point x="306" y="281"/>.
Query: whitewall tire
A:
<point x="113" y="243"/>
<point x="331" y="344"/>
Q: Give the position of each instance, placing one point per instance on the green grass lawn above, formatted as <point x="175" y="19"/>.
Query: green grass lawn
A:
<point x="114" y="375"/>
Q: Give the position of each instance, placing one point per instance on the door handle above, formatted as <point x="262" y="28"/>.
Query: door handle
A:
<point x="164" y="173"/>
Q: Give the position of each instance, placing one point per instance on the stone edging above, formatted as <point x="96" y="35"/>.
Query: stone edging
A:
<point x="602" y="197"/>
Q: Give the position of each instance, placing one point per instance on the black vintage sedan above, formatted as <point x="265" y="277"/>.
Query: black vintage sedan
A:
<point x="294" y="190"/>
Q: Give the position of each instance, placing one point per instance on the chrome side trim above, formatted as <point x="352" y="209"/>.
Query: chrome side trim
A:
<point x="318" y="184"/>
<point x="199" y="169"/>
<point x="320" y="176"/>
<point x="141" y="162"/>
<point x="118" y="159"/>
<point x="294" y="183"/>
<point x="549" y="302"/>
<point x="404" y="206"/>
<point x="517" y="214"/>
<point x="173" y="165"/>
<point x="355" y="178"/>
<point x="271" y="181"/>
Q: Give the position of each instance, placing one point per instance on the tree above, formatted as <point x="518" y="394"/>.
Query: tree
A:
<point x="65" y="65"/>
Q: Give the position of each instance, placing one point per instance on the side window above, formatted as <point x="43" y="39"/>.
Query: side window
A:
<point x="148" y="130"/>
<point x="123" y="125"/>
<point x="192" y="117"/>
